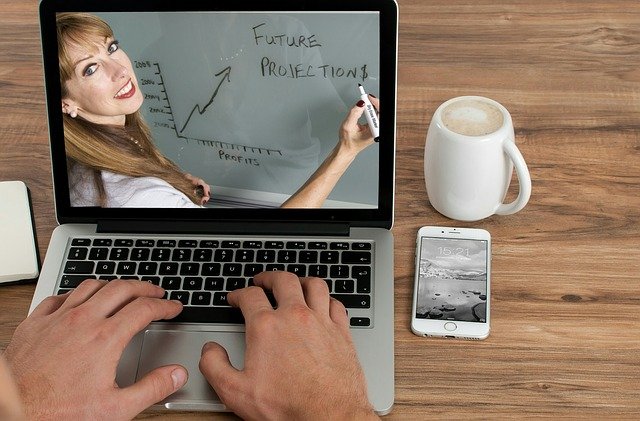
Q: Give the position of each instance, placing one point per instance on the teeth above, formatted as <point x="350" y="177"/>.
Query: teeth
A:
<point x="125" y="89"/>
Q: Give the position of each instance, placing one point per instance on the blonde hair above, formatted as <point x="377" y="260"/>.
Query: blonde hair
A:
<point x="108" y="147"/>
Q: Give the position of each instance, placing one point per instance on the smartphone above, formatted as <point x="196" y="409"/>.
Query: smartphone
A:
<point x="451" y="295"/>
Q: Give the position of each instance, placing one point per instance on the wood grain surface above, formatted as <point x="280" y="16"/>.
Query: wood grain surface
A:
<point x="565" y="332"/>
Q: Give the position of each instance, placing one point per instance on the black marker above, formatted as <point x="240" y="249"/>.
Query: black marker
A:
<point x="370" y="114"/>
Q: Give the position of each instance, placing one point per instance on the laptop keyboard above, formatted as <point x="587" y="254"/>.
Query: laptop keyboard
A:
<point x="200" y="272"/>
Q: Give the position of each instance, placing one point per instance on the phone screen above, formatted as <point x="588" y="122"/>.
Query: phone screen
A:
<point x="452" y="280"/>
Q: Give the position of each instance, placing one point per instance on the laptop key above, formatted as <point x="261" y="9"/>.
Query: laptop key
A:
<point x="358" y="257"/>
<point x="339" y="246"/>
<point x="119" y="253"/>
<point x="360" y="321"/>
<point x="81" y="242"/>
<point x="214" y="284"/>
<point x="155" y="280"/>
<point x="319" y="271"/>
<point x="203" y="255"/>
<point x="300" y="270"/>
<point x="140" y="254"/>
<point x="223" y="255"/>
<point x="192" y="283"/>
<point x="329" y="257"/>
<point x="182" y="296"/>
<point x="339" y="271"/>
<point x="120" y="242"/>
<point x="188" y="243"/>
<point x="210" y="269"/>
<point x="98" y="253"/>
<point x="362" y="275"/>
<point x="201" y="298"/>
<point x="171" y="282"/>
<point x="308" y="256"/>
<point x="266" y="256"/>
<point x="160" y="255"/>
<point x="220" y="299"/>
<point x="78" y="253"/>
<point x="361" y="246"/>
<point x="105" y="268"/>
<point x="189" y="269"/>
<point x="102" y="242"/>
<point x="211" y="244"/>
<point x="232" y="244"/>
<point x="181" y="255"/>
<point x="287" y="256"/>
<point x="344" y="286"/>
<point x="236" y="283"/>
<point x="145" y="243"/>
<point x="202" y="314"/>
<point x="252" y="269"/>
<point x="353" y="300"/>
<point x="244" y="255"/>
<point x="147" y="268"/>
<point x="71" y="281"/>
<point x="169" y="268"/>
<point x="82" y="267"/>
<point x="231" y="269"/>
<point x="126" y="268"/>
<point x="273" y="244"/>
<point x="296" y="245"/>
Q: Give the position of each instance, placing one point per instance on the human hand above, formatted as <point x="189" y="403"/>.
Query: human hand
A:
<point x="200" y="183"/>
<point x="354" y="137"/>
<point x="65" y="354"/>
<point x="300" y="361"/>
<point x="10" y="407"/>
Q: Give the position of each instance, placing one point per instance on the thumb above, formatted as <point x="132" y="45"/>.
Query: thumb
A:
<point x="225" y="379"/>
<point x="152" y="388"/>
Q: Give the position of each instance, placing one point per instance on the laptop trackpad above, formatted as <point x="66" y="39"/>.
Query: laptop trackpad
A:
<point x="162" y="347"/>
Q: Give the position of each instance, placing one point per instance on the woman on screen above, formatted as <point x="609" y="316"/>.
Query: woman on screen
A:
<point x="112" y="158"/>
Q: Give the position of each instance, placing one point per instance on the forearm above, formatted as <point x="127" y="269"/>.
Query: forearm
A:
<point x="318" y="187"/>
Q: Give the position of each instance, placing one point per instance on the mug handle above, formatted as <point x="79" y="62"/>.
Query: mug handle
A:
<point x="524" y="180"/>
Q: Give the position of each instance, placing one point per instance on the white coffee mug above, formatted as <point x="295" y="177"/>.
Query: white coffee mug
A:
<point x="469" y="156"/>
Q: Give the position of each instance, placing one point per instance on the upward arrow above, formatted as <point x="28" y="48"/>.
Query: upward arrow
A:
<point x="226" y="72"/>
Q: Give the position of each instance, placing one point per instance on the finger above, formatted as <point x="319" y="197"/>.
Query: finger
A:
<point x="316" y="293"/>
<point x="338" y="314"/>
<point x="225" y="379"/>
<point x="119" y="293"/>
<point x="49" y="305"/>
<point x="136" y="315"/>
<point x="152" y="388"/>
<point x="285" y="286"/>
<point x="375" y="102"/>
<point x="351" y="121"/>
<point x="83" y="292"/>
<point x="251" y="300"/>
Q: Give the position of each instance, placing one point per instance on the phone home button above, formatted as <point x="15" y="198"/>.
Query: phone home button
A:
<point x="450" y="326"/>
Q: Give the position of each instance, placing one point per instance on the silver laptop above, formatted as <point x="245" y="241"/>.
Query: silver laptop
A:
<point x="249" y="97"/>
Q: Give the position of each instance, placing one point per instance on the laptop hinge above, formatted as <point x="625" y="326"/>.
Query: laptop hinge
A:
<point x="224" y="228"/>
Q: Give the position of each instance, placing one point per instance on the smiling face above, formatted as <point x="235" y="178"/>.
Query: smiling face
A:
<point x="97" y="76"/>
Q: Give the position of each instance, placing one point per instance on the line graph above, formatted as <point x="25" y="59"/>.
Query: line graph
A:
<point x="165" y="111"/>
<point x="226" y="76"/>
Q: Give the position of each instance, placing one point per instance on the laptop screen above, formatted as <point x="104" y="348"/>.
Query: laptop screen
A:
<point x="225" y="110"/>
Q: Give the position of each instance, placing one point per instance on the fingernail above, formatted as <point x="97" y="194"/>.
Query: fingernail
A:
<point x="179" y="377"/>
<point x="372" y="96"/>
<point x="360" y="103"/>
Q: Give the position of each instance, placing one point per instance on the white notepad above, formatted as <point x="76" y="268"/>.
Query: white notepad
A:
<point x="18" y="254"/>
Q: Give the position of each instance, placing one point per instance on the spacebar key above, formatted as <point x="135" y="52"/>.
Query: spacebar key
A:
<point x="210" y="315"/>
<point x="353" y="300"/>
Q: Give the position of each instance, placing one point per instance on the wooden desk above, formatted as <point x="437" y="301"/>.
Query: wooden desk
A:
<point x="565" y="333"/>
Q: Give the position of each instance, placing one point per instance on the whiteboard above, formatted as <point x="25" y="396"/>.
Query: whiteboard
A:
<point x="252" y="102"/>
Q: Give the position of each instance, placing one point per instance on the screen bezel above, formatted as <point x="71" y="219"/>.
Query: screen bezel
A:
<point x="380" y="217"/>
<point x="436" y="327"/>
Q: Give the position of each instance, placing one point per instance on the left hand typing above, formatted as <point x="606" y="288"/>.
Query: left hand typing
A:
<point x="65" y="354"/>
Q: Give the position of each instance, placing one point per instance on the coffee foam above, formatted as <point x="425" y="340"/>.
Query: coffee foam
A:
<point x="472" y="117"/>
